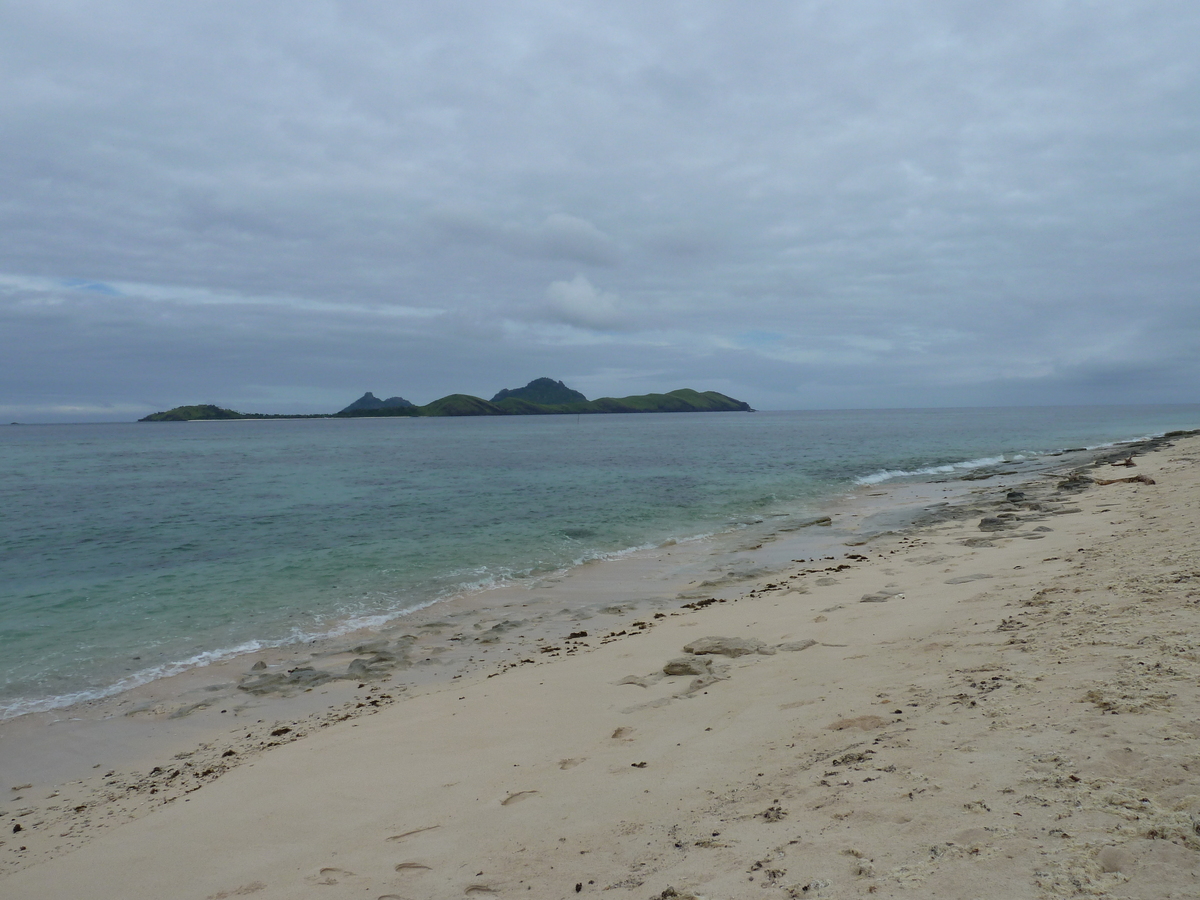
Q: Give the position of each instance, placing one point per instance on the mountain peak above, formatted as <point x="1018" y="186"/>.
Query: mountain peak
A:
<point x="370" y="401"/>
<point x="545" y="391"/>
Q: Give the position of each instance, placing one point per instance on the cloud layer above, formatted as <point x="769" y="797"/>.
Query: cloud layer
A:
<point x="278" y="206"/>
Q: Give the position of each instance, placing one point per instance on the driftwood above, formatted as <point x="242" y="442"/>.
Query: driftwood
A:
<point x="1141" y="479"/>
<point x="1127" y="462"/>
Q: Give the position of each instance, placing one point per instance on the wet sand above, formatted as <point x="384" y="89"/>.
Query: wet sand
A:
<point x="940" y="710"/>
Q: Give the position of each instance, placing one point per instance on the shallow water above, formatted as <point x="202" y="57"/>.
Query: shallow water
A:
<point x="132" y="551"/>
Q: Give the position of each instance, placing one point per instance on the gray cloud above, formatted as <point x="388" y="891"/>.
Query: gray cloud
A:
<point x="279" y="206"/>
<point x="559" y="237"/>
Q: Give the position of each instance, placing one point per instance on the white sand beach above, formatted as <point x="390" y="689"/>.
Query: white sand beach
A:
<point x="941" y="712"/>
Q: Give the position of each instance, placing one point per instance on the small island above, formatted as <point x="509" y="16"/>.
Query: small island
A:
<point x="541" y="397"/>
<point x="193" y="413"/>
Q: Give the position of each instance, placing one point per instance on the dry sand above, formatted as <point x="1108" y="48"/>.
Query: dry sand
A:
<point x="947" y="712"/>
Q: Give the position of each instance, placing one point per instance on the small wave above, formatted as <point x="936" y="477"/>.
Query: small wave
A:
<point x="22" y="706"/>
<point x="1024" y="456"/>
<point x="946" y="469"/>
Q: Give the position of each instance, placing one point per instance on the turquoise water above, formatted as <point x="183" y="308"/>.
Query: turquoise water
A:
<point x="132" y="551"/>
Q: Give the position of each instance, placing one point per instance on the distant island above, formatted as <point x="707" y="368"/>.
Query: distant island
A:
<point x="541" y="397"/>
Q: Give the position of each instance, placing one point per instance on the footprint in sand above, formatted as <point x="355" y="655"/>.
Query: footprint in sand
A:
<point x="864" y="723"/>
<point x="407" y="834"/>
<point x="330" y="875"/>
<point x="883" y="596"/>
<point x="571" y="763"/>
<point x="412" y="867"/>
<point x="622" y="733"/>
<point x="252" y="888"/>
<point x="796" y="704"/>
<point x="517" y="797"/>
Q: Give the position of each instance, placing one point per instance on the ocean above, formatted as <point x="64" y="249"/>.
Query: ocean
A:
<point x="133" y="551"/>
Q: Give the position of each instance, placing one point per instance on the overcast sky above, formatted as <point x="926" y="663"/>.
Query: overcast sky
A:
<point x="275" y="206"/>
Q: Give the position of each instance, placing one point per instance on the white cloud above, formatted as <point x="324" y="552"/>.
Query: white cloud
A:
<point x="578" y="302"/>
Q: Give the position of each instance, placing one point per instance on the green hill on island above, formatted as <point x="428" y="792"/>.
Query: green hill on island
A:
<point x="190" y="413"/>
<point x="541" y="397"/>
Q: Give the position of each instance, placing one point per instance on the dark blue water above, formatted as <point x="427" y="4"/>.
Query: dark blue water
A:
<point x="131" y="551"/>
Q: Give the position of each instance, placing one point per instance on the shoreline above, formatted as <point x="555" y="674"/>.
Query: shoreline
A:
<point x="854" y="493"/>
<point x="903" y="492"/>
<point x="203" y="738"/>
